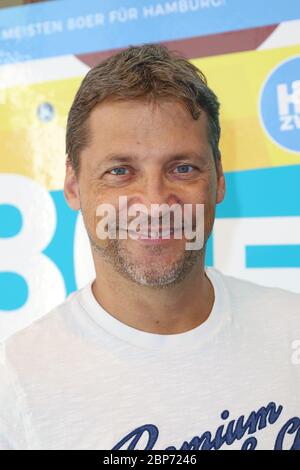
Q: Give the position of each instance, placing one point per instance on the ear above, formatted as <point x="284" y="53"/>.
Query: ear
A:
<point x="71" y="187"/>
<point x="221" y="184"/>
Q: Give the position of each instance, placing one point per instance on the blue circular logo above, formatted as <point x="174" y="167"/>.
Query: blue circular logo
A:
<point x="280" y="104"/>
<point x="45" y="112"/>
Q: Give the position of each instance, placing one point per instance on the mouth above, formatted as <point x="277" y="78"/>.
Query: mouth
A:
<point x="160" y="234"/>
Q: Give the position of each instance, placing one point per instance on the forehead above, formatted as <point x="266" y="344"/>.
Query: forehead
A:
<point x="151" y="132"/>
<point x="141" y="119"/>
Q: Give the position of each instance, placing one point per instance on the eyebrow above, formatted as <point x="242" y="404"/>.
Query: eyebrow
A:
<point x="124" y="158"/>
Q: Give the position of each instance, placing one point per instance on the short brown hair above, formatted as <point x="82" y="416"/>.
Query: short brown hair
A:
<point x="150" y="71"/>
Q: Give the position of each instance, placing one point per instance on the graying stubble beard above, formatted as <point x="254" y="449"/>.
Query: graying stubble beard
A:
<point x="116" y="256"/>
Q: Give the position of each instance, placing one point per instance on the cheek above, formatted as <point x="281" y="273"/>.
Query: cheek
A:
<point x="89" y="202"/>
<point x="204" y="193"/>
<point x="207" y="196"/>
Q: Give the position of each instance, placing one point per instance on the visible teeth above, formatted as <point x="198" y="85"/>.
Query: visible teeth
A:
<point x="162" y="233"/>
<point x="155" y="233"/>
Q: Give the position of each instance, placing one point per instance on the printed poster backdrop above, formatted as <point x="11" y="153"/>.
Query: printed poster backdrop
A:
<point x="250" y="54"/>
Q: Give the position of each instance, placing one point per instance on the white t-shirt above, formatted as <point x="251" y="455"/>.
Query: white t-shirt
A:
<point x="78" y="378"/>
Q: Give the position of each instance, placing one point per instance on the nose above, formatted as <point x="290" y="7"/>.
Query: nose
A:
<point x="154" y="196"/>
<point x="156" y="189"/>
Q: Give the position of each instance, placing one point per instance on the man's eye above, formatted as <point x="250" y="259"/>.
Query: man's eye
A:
<point x="184" y="168"/>
<point x="119" y="171"/>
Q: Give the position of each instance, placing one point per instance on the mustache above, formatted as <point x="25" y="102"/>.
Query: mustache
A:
<point x="144" y="222"/>
<point x="146" y="228"/>
<point x="154" y="223"/>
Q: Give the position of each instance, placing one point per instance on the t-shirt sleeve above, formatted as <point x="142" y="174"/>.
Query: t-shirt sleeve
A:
<point x="12" y="430"/>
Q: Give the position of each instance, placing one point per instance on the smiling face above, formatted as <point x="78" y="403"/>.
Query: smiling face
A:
<point x="152" y="153"/>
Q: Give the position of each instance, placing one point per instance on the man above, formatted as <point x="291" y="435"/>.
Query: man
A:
<point x="159" y="351"/>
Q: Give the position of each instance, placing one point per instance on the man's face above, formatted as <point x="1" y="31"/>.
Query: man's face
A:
<point x="152" y="153"/>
